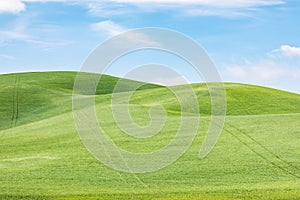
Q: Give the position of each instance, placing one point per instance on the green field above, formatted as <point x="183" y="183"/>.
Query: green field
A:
<point x="42" y="156"/>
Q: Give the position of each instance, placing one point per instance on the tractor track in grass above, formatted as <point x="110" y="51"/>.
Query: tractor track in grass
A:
<point x="265" y="148"/>
<point x="15" y="103"/>
<point x="246" y="140"/>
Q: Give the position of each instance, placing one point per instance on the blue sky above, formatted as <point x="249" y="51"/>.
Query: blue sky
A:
<point x="250" y="41"/>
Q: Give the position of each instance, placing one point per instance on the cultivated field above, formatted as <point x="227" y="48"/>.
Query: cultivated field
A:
<point x="42" y="156"/>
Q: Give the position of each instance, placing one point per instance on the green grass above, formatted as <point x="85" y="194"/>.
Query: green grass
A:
<point x="30" y="97"/>
<point x="42" y="157"/>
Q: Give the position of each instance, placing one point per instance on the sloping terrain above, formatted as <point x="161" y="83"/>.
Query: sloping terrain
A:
<point x="30" y="97"/>
<point x="42" y="156"/>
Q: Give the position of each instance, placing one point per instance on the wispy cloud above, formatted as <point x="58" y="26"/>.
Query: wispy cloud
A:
<point x="106" y="8"/>
<point x="279" y="64"/>
<point x="49" y="44"/>
<point x="212" y="3"/>
<point x="21" y="30"/>
<point x="171" y="81"/>
<point x="128" y="39"/>
<point x="111" y="29"/>
<point x="13" y="35"/>
<point x="287" y="51"/>
<point x="108" y="27"/>
<point x="7" y="57"/>
<point x="186" y="7"/>
<point x="7" y="36"/>
<point x="17" y="36"/>
<point x="262" y="72"/>
<point x="116" y="7"/>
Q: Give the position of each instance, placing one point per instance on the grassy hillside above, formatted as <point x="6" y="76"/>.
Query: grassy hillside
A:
<point x="42" y="157"/>
<point x="30" y="97"/>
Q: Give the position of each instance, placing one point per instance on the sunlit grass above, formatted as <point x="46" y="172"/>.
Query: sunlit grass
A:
<point x="42" y="157"/>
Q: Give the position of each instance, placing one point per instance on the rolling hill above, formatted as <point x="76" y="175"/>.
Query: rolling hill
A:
<point x="42" y="157"/>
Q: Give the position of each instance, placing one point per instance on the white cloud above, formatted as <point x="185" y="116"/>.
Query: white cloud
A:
<point x="11" y="6"/>
<point x="287" y="51"/>
<point x="225" y="8"/>
<point x="43" y="1"/>
<point x="279" y="69"/>
<point x="211" y="3"/>
<point x="170" y="81"/>
<point x="7" y="57"/>
<point x="111" y="29"/>
<point x="13" y="35"/>
<point x="7" y="36"/>
<point x="49" y="44"/>
<point x="263" y="72"/>
<point x="17" y="36"/>
<point x="16" y="6"/>
<point x="113" y="7"/>
<point x="142" y="39"/>
<point x="108" y="27"/>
